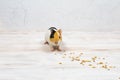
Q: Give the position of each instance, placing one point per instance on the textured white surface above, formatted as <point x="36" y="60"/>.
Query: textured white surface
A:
<point x="90" y="15"/>
<point x="24" y="57"/>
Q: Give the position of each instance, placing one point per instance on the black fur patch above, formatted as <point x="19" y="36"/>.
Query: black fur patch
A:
<point x="52" y="29"/>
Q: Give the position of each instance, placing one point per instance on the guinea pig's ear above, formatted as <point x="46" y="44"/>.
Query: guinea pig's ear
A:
<point x="60" y="31"/>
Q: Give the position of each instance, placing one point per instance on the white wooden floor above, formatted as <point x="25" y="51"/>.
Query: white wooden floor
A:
<point x="24" y="57"/>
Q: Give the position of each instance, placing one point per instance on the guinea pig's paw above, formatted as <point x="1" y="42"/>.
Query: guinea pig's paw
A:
<point x="52" y="49"/>
<point x="46" y="43"/>
<point x="58" y="49"/>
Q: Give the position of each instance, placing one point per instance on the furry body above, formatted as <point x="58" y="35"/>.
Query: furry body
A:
<point x="53" y="37"/>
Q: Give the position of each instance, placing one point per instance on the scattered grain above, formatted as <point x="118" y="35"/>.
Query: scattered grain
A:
<point x="60" y="62"/>
<point x="93" y="67"/>
<point x="94" y="58"/>
<point x="100" y="63"/>
<point x="105" y="66"/>
<point x="90" y="65"/>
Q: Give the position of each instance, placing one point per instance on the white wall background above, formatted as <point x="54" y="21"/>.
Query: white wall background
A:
<point x="98" y="15"/>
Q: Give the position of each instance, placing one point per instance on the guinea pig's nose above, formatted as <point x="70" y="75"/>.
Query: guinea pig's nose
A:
<point x="56" y="42"/>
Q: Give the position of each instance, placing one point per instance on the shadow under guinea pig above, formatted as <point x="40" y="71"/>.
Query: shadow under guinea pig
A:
<point x="46" y="47"/>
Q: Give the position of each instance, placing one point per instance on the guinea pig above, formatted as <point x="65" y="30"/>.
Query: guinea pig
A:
<point x="53" y="38"/>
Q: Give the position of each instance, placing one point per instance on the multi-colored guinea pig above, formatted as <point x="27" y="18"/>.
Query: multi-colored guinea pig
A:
<point x="54" y="38"/>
